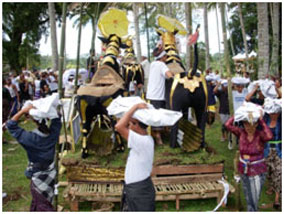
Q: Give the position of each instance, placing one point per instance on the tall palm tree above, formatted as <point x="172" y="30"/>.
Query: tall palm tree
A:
<point x="91" y="13"/>
<point x="243" y="33"/>
<point x="78" y="48"/>
<point x="51" y="11"/>
<point x="226" y="54"/>
<point x="147" y="30"/>
<point x="62" y="48"/>
<point x="188" y="20"/>
<point x="219" y="43"/>
<point x="263" y="40"/>
<point x="135" y="8"/>
<point x="229" y="31"/>
<point x="276" y="32"/>
<point x="205" y="15"/>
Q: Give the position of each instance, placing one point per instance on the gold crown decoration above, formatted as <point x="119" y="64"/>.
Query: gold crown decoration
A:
<point x="113" y="21"/>
<point x="170" y="24"/>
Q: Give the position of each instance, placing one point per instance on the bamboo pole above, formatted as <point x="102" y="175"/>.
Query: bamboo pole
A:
<point x="147" y="31"/>
<point x="78" y="49"/>
<point x="219" y="48"/>
<point x="62" y="48"/>
<point x="61" y="61"/>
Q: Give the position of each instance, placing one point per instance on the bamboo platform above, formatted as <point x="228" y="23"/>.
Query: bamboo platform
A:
<point x="172" y="183"/>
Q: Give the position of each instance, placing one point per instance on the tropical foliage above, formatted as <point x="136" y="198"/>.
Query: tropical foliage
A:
<point x="21" y="36"/>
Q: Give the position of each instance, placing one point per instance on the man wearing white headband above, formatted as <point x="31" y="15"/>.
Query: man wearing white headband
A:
<point x="156" y="85"/>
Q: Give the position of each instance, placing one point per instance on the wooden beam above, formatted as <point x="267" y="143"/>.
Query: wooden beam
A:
<point x="187" y="169"/>
<point x="187" y="178"/>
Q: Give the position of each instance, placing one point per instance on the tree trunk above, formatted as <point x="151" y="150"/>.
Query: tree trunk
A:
<point x="14" y="48"/>
<point x="229" y="30"/>
<point x="51" y="10"/>
<point x="226" y="55"/>
<point x="93" y="19"/>
<point x="243" y="33"/>
<point x="94" y="27"/>
<point x="263" y="40"/>
<point x="274" y="67"/>
<point x="78" y="49"/>
<point x="137" y="35"/>
<point x="147" y="31"/>
<point x="207" y="57"/>
<point x="188" y="19"/>
<point x="220" y="63"/>
<point x="62" y="48"/>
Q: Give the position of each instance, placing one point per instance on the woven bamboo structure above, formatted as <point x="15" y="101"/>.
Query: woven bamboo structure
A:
<point x="172" y="183"/>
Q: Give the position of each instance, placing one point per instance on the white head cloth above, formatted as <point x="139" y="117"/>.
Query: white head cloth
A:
<point x="248" y="112"/>
<point x="45" y="108"/>
<point x="211" y="77"/>
<point x="224" y="82"/>
<point x="240" y="80"/>
<point x="161" y="55"/>
<point x="149" y="116"/>
<point x="272" y="105"/>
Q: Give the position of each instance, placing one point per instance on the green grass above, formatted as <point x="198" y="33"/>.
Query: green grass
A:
<point x="14" y="162"/>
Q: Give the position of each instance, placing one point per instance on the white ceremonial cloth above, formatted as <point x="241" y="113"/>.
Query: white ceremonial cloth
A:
<point x="272" y="105"/>
<point x="150" y="116"/>
<point x="248" y="112"/>
<point x="240" y="80"/>
<point x="266" y="86"/>
<point x="44" y="107"/>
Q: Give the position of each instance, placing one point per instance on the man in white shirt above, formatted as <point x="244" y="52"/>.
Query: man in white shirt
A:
<point x="138" y="192"/>
<point x="156" y="85"/>
<point x="52" y="82"/>
<point x="146" y="67"/>
<point x="239" y="94"/>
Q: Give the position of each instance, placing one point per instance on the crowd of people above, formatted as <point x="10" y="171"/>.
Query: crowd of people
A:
<point x="28" y="85"/>
<point x="259" y="137"/>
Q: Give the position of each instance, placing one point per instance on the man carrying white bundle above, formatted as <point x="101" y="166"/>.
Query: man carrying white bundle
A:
<point x="40" y="147"/>
<point x="239" y="91"/>
<point x="138" y="192"/>
<point x="136" y="115"/>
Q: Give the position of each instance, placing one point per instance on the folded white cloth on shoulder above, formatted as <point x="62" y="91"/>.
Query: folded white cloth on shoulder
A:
<point x="248" y="112"/>
<point x="45" y="108"/>
<point x="272" y="105"/>
<point x="150" y="116"/>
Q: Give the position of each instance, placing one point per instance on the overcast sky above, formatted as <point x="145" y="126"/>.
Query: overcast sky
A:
<point x="72" y="36"/>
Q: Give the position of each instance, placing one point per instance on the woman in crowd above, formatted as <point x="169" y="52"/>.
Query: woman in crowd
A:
<point x="273" y="148"/>
<point x="15" y="98"/>
<point x="253" y="133"/>
<point x="40" y="147"/>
